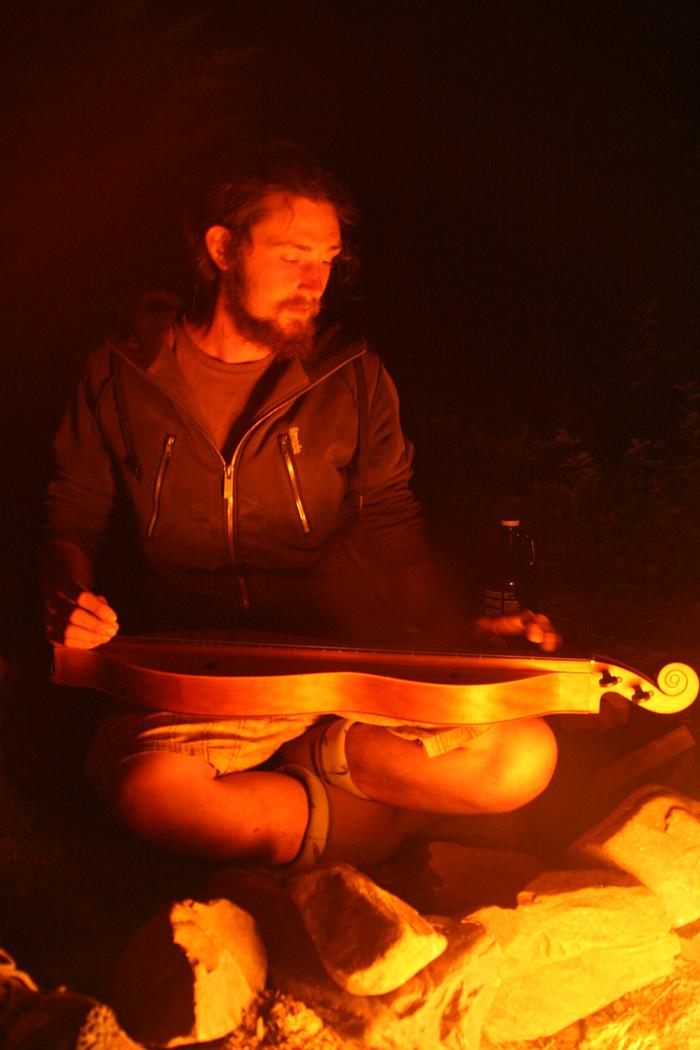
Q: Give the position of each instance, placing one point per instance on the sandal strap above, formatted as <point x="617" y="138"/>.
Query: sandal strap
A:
<point x="330" y="759"/>
<point x="316" y="834"/>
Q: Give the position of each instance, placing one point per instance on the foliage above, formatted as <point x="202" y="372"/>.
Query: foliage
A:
<point x="614" y="497"/>
<point x="627" y="501"/>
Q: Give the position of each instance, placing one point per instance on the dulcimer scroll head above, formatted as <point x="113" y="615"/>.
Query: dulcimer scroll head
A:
<point x="677" y="687"/>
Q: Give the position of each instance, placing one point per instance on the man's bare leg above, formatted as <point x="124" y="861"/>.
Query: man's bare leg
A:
<point x="177" y="802"/>
<point x="498" y="771"/>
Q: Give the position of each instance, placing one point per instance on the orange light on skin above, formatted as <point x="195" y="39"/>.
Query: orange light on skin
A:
<point x="291" y="255"/>
<point x="285" y="272"/>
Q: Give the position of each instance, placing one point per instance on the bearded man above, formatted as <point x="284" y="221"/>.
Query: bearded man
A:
<point x="261" y="464"/>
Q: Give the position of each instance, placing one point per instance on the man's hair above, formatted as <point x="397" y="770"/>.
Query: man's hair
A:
<point x="234" y="198"/>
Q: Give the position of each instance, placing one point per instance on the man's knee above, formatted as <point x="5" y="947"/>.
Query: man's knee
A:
<point x="176" y="802"/>
<point x="523" y="757"/>
<point x="148" y="789"/>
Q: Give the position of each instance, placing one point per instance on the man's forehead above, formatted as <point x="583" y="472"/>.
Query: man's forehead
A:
<point x="301" y="220"/>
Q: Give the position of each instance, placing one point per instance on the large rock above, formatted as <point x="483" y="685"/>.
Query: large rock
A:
<point x="442" y="1007"/>
<point x="369" y="941"/>
<point x="655" y="836"/>
<point x="264" y="896"/>
<point x="576" y="941"/>
<point x="447" y="878"/>
<point x="189" y="974"/>
<point x="467" y="876"/>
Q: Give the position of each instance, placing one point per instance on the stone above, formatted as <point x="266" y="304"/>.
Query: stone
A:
<point x="263" y="895"/>
<point x="368" y="940"/>
<point x="638" y="763"/>
<point x="189" y="974"/>
<point x="689" y="940"/>
<point x="467" y="876"/>
<point x="655" y="836"/>
<point x="448" y="878"/>
<point x="576" y="941"/>
<point x="442" y="1007"/>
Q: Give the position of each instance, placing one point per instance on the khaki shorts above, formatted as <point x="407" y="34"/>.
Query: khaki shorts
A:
<point x="231" y="745"/>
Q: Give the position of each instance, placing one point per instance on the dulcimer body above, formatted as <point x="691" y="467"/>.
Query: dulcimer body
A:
<point x="239" y="677"/>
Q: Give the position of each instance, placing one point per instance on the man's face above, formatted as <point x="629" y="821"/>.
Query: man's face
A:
<point x="273" y="291"/>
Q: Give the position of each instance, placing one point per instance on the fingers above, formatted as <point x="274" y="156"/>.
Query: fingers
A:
<point x="80" y="623"/>
<point x="502" y="624"/>
<point x="536" y="627"/>
<point x="83" y="638"/>
<point x="96" y="605"/>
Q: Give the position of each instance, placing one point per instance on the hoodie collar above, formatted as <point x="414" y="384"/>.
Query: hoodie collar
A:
<point x="155" y="354"/>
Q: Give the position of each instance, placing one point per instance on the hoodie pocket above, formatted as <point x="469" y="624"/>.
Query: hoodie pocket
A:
<point x="287" y="450"/>
<point x="158" y="483"/>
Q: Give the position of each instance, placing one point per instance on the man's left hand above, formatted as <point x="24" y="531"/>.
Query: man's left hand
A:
<point x="535" y="627"/>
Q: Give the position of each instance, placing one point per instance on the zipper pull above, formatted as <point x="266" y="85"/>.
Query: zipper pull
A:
<point x="228" y="484"/>
<point x="285" y="441"/>
<point x="158" y="482"/>
<point x="294" y="440"/>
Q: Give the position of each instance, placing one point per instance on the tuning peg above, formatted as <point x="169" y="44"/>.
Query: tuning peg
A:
<point x="639" y="694"/>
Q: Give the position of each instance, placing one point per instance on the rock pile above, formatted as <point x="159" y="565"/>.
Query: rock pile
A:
<point x="462" y="945"/>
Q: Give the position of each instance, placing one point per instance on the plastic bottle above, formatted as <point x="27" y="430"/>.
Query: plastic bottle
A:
<point x="508" y="576"/>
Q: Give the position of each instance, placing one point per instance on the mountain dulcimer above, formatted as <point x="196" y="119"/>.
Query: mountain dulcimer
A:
<point x="214" y="676"/>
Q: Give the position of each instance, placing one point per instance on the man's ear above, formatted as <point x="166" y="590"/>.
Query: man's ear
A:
<point x="217" y="240"/>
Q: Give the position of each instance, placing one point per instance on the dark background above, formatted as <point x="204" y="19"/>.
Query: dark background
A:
<point x="528" y="181"/>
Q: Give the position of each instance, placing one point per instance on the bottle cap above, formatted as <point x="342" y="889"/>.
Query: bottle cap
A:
<point x="510" y="522"/>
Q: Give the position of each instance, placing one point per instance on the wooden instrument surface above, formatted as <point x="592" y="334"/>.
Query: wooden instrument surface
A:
<point x="239" y="677"/>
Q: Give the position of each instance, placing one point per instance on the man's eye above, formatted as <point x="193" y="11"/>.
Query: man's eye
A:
<point x="290" y="258"/>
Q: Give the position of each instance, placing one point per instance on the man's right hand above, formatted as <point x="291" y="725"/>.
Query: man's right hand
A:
<point x="80" y="622"/>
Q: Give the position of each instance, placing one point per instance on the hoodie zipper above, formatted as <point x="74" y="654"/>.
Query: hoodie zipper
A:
<point x="285" y="449"/>
<point x="158" y="483"/>
<point x="230" y="531"/>
<point x="229" y="468"/>
<point x="230" y="472"/>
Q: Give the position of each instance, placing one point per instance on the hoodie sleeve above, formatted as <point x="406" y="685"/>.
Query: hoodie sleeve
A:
<point x="391" y="518"/>
<point x="393" y="534"/>
<point x="82" y="491"/>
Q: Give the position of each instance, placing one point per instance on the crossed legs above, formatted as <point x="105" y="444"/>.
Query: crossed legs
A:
<point x="177" y="801"/>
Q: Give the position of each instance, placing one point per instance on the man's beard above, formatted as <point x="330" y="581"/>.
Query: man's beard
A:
<point x="297" y="341"/>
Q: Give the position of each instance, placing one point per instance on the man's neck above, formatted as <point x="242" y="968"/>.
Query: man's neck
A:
<point x="221" y="339"/>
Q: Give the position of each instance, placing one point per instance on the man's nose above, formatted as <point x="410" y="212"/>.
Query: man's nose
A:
<point x="314" y="277"/>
